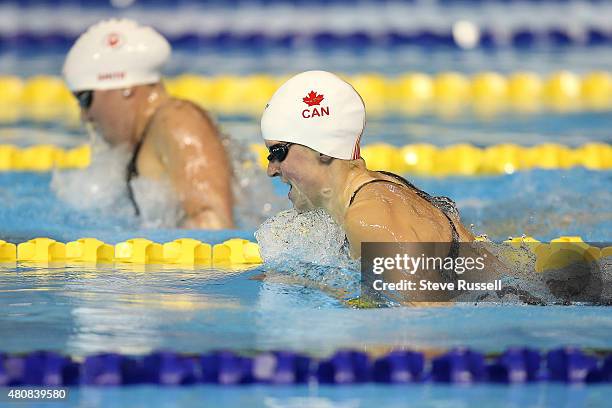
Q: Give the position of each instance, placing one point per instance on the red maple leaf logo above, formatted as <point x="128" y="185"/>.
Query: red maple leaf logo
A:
<point x="313" y="98"/>
<point x="113" y="40"/>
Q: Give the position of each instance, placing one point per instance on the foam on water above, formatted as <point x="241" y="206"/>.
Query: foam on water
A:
<point x="311" y="237"/>
<point x="99" y="187"/>
<point x="311" y="247"/>
<point x="158" y="203"/>
<point x="102" y="188"/>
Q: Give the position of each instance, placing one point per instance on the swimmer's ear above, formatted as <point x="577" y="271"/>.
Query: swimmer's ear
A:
<point x="325" y="159"/>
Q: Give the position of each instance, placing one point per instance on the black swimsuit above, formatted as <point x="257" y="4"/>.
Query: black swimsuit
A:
<point x="131" y="172"/>
<point x="132" y="168"/>
<point x="444" y="204"/>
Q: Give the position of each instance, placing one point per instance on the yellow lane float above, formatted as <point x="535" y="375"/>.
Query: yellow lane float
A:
<point x="423" y="159"/>
<point x="560" y="252"/>
<point x="236" y="252"/>
<point x="184" y="251"/>
<point x="46" y="98"/>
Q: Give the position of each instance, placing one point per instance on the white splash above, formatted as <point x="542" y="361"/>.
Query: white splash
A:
<point x="101" y="186"/>
<point x="311" y="237"/>
<point x="158" y="203"/>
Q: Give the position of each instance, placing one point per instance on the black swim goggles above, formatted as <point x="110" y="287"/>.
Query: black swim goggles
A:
<point x="85" y="99"/>
<point x="279" y="152"/>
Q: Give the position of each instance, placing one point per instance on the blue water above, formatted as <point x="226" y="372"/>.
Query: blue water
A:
<point x="390" y="61"/>
<point x="541" y="203"/>
<point x="545" y="395"/>
<point x="136" y="309"/>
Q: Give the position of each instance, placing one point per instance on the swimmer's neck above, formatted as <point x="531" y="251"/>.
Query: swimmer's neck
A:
<point x="344" y="178"/>
<point x="149" y="99"/>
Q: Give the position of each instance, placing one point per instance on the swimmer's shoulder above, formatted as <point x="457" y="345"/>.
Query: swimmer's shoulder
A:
<point x="404" y="213"/>
<point x="386" y="193"/>
<point x="372" y="210"/>
<point x="178" y="119"/>
<point x="181" y="113"/>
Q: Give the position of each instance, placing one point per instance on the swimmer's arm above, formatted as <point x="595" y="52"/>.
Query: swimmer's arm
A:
<point x="371" y="220"/>
<point x="194" y="157"/>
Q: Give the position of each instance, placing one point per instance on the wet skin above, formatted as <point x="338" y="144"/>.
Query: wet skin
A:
<point x="181" y="142"/>
<point x="380" y="212"/>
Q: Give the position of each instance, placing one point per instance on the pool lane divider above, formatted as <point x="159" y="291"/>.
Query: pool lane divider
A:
<point x="518" y="365"/>
<point x="237" y="252"/>
<point x="467" y="160"/>
<point x="46" y="98"/>
<point x="184" y="251"/>
<point x="421" y="159"/>
<point x="462" y="35"/>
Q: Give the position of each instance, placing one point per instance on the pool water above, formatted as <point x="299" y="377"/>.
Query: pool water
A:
<point x="545" y="204"/>
<point x="137" y="309"/>
<point x="134" y="310"/>
<point x="545" y="395"/>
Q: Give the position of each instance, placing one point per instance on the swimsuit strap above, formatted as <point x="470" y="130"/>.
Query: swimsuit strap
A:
<point x="131" y="172"/>
<point x="444" y="204"/>
<point x="365" y="184"/>
<point x="132" y="168"/>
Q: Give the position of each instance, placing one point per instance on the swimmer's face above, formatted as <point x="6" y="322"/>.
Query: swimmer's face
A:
<point x="304" y="173"/>
<point x="112" y="114"/>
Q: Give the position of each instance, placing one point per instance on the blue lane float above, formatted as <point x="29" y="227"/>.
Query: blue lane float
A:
<point x="399" y="367"/>
<point x="516" y="365"/>
<point x="458" y="366"/>
<point x="426" y="38"/>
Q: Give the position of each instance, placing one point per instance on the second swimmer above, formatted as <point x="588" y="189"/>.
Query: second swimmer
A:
<point x="312" y="128"/>
<point x="114" y="70"/>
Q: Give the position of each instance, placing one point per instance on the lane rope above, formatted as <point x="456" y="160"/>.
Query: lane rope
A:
<point x="420" y="159"/>
<point x="246" y="24"/>
<point x="558" y="253"/>
<point x="139" y="251"/>
<point x="46" y="98"/>
<point x="518" y="365"/>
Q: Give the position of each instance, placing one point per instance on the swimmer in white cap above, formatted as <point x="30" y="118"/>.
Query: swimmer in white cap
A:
<point x="312" y="127"/>
<point x="114" y="71"/>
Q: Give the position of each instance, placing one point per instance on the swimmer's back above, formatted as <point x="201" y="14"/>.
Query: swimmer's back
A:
<point x="390" y="211"/>
<point x="181" y="142"/>
<point x="176" y="121"/>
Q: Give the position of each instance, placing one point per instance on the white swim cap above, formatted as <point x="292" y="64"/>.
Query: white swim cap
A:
<point x="115" y="54"/>
<point x="319" y="110"/>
